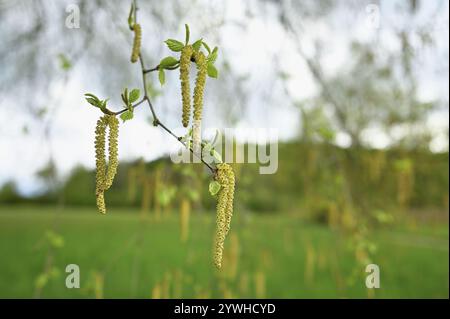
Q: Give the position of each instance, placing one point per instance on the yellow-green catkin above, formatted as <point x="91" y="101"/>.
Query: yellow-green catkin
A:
<point x="105" y="175"/>
<point x="113" y="123"/>
<point x="202" y="67"/>
<point x="136" y="43"/>
<point x="100" y="198"/>
<point x="225" y="176"/>
<point x="100" y="162"/>
<point x="185" y="62"/>
<point x="229" y="208"/>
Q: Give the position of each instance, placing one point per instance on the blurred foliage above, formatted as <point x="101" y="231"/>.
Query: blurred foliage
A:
<point x="314" y="180"/>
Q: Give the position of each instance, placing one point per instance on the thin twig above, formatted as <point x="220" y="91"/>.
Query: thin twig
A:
<point x="156" y="68"/>
<point x="156" y="121"/>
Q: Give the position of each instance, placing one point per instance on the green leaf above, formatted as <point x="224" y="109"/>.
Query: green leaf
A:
<point x="212" y="71"/>
<point x="207" y="148"/>
<point x="174" y="45"/>
<point x="130" y="17"/>
<point x="162" y="77"/>
<point x="214" y="187"/>
<point x="197" y="45"/>
<point x="134" y="95"/>
<point x="168" y="62"/>
<point x="124" y="99"/>
<point x="216" y="137"/>
<point x="216" y="156"/>
<point x="102" y="104"/>
<point x="92" y="101"/>
<point x="206" y="47"/>
<point x="127" y="115"/>
<point x="212" y="57"/>
<point x="89" y="95"/>
<point x="187" y="33"/>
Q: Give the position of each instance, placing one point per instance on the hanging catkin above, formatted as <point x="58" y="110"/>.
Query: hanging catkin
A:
<point x="200" y="60"/>
<point x="230" y="200"/>
<point x="136" y="43"/>
<point x="185" y="61"/>
<point x="105" y="175"/>
<point x="225" y="177"/>
<point x="113" y="123"/>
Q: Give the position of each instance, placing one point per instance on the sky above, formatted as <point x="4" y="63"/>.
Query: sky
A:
<point x="73" y="121"/>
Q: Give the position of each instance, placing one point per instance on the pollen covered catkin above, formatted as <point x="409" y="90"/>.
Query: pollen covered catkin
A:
<point x="225" y="177"/>
<point x="105" y="175"/>
<point x="230" y="200"/>
<point x="136" y="43"/>
<point x="100" y="159"/>
<point x="113" y="123"/>
<point x="202" y="67"/>
<point x="101" y="202"/>
<point x="185" y="62"/>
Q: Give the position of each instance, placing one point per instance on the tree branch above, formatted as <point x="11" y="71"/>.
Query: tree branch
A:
<point x="156" y="121"/>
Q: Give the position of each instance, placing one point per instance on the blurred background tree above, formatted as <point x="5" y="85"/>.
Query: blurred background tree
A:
<point x="358" y="91"/>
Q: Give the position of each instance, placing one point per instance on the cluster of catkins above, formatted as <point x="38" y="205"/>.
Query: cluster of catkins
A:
<point x="105" y="173"/>
<point x="225" y="177"/>
<point x="187" y="54"/>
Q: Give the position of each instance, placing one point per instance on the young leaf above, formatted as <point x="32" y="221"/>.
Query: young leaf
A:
<point x="206" y="47"/>
<point x="214" y="187"/>
<point x="213" y="55"/>
<point x="216" y="138"/>
<point x="187" y="33"/>
<point x="92" y="96"/>
<point x="174" y="45"/>
<point x="102" y="104"/>
<point x="212" y="71"/>
<point x="162" y="76"/>
<point x="197" y="44"/>
<point x="124" y="99"/>
<point x="216" y="156"/>
<point x="134" y="95"/>
<point x="92" y="101"/>
<point x="207" y="148"/>
<point x="130" y="17"/>
<point x="127" y="115"/>
<point x="168" y="62"/>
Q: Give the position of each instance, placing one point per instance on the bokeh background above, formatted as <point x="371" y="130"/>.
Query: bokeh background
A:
<point x="357" y="90"/>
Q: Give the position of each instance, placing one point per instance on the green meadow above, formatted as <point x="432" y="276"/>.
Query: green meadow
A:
<point x="125" y="255"/>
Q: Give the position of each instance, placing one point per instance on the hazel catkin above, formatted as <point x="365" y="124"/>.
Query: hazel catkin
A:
<point x="136" y="43"/>
<point x="185" y="61"/>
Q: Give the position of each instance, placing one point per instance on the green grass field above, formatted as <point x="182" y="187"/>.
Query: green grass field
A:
<point x="121" y="256"/>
